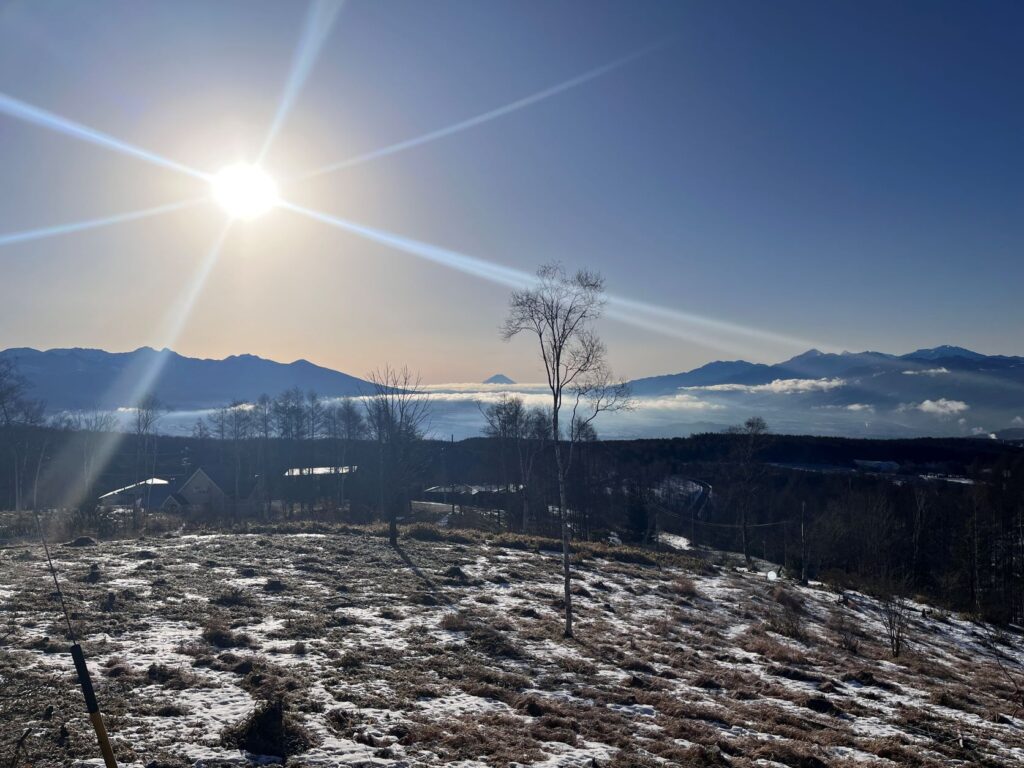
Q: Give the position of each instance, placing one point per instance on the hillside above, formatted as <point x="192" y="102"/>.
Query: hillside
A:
<point x="448" y="651"/>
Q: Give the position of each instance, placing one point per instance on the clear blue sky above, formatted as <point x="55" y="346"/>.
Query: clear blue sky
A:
<point x="846" y="173"/>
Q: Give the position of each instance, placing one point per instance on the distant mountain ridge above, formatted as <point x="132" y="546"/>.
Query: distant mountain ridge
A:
<point x="815" y="364"/>
<point x="86" y="379"/>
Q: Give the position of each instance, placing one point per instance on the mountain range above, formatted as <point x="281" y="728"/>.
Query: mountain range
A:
<point x="815" y="364"/>
<point x="86" y="379"/>
<point x="943" y="390"/>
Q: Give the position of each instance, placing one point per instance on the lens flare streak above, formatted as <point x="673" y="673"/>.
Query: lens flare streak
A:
<point x="486" y="117"/>
<point x="106" y="221"/>
<point x="22" y="111"/>
<point x="714" y="334"/>
<point x="143" y="380"/>
<point x="317" y="28"/>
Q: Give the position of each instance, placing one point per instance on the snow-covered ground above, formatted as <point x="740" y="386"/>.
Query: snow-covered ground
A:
<point x="451" y="652"/>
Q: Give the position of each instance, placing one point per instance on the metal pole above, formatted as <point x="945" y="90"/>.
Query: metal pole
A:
<point x="92" y="706"/>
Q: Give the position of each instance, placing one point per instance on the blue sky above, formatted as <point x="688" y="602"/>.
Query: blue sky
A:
<point x="845" y="174"/>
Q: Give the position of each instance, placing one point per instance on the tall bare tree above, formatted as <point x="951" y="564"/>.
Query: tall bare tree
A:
<point x="560" y="311"/>
<point x="749" y="439"/>
<point x="148" y="412"/>
<point x="396" y="416"/>
<point x="343" y="423"/>
<point x="18" y="411"/>
<point x="509" y="421"/>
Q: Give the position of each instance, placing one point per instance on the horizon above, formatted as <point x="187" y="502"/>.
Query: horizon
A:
<point x="481" y="381"/>
<point x="865" y="188"/>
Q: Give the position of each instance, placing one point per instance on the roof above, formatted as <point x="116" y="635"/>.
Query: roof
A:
<point x="303" y="471"/>
<point x="472" y="490"/>
<point x="225" y="480"/>
<point x="141" y="485"/>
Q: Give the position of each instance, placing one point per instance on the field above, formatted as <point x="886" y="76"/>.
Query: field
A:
<point x="333" y="648"/>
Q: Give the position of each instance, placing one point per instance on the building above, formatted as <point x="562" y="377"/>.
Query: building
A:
<point x="202" y="491"/>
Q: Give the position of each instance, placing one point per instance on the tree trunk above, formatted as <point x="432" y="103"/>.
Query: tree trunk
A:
<point x="745" y="537"/>
<point x="563" y="513"/>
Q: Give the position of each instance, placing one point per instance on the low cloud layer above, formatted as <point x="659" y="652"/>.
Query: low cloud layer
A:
<point x="777" y="387"/>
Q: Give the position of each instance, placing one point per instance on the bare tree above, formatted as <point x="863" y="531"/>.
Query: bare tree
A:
<point x="895" y="617"/>
<point x="343" y="423"/>
<point x="94" y="425"/>
<point x="396" y="416"/>
<point x="289" y="414"/>
<point x="750" y="436"/>
<point x="263" y="417"/>
<point x="13" y="388"/>
<point x="17" y="411"/>
<point x="509" y="421"/>
<point x="560" y="311"/>
<point x="148" y="412"/>
<point x="314" y="417"/>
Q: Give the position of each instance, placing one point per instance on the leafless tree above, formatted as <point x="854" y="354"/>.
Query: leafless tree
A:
<point x="95" y="427"/>
<point x="148" y="413"/>
<point x="750" y="437"/>
<point x="289" y="414"/>
<point x="343" y="423"/>
<point x="314" y="416"/>
<point x="18" y="411"/>
<point x="560" y="311"/>
<point x="896" y="618"/>
<point x="527" y="429"/>
<point x="263" y="417"/>
<point x="396" y="416"/>
<point x="12" y="392"/>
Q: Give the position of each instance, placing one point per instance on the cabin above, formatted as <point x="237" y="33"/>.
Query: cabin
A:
<point x="202" y="491"/>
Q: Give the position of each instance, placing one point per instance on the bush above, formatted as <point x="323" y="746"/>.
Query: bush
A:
<point x="846" y="632"/>
<point x="268" y="731"/>
<point x="684" y="586"/>
<point x="218" y="635"/>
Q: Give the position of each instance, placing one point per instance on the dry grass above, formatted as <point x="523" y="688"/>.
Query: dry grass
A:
<point x="461" y="657"/>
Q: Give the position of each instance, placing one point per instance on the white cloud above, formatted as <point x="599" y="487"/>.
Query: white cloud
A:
<point x="928" y="372"/>
<point x="538" y="395"/>
<point x="681" y="402"/>
<point x="855" y="407"/>
<point x="1017" y="421"/>
<point x="942" y="407"/>
<point x="777" y="387"/>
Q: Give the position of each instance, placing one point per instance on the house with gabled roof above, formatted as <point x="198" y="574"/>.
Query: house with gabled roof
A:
<point x="202" y="491"/>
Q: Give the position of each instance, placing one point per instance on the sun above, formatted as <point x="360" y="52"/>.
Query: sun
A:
<point x="244" y="191"/>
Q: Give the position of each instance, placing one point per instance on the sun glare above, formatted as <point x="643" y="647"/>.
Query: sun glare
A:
<point x="244" y="191"/>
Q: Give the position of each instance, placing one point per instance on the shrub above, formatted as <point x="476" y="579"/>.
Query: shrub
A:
<point x="896" y="619"/>
<point x="234" y="596"/>
<point x="218" y="635"/>
<point x="846" y="632"/>
<point x="684" y="586"/>
<point x="268" y="731"/>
